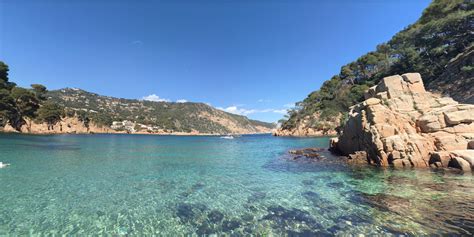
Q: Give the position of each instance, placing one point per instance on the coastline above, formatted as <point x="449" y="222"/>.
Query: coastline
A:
<point x="316" y="133"/>
<point x="134" y="133"/>
<point x="125" y="133"/>
<point x="74" y="126"/>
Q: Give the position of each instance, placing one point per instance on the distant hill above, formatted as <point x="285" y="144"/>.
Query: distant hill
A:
<point x="139" y="115"/>
<point x="439" y="46"/>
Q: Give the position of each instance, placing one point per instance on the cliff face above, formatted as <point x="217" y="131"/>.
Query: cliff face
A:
<point x="66" y="125"/>
<point x="73" y="125"/>
<point x="307" y="128"/>
<point x="400" y="124"/>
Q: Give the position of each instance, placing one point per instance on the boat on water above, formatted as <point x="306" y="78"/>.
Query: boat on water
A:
<point x="227" y="137"/>
<point x="3" y="165"/>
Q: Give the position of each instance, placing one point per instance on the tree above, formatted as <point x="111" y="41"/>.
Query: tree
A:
<point x="26" y="105"/>
<point x="82" y="116"/>
<point x="26" y="102"/>
<point x="50" y="113"/>
<point x="40" y="91"/>
<point x="4" y="83"/>
<point x="7" y="107"/>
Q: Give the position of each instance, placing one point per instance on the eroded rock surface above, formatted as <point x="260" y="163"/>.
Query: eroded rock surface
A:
<point x="401" y="124"/>
<point x="306" y="127"/>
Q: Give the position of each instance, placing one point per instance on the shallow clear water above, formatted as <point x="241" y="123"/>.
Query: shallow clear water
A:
<point x="134" y="184"/>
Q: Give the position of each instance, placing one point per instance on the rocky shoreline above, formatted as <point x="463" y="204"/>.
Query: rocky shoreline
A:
<point x="402" y="125"/>
<point x="303" y="131"/>
<point x="72" y="125"/>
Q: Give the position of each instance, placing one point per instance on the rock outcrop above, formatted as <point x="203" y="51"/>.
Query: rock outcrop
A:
<point x="307" y="128"/>
<point x="68" y="125"/>
<point x="401" y="124"/>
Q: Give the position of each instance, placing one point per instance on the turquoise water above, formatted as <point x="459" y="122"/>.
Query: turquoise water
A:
<point x="167" y="185"/>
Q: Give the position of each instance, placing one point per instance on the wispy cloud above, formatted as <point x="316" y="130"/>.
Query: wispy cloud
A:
<point x="137" y="42"/>
<point x="264" y="100"/>
<point x="280" y="111"/>
<point x="154" y="97"/>
<point x="243" y="111"/>
<point x="181" y="101"/>
<point x="237" y="110"/>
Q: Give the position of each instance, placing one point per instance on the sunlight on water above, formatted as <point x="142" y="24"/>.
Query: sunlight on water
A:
<point x="133" y="184"/>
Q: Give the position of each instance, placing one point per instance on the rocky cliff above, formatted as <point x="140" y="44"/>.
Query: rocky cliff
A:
<point x="70" y="125"/>
<point x="307" y="128"/>
<point x="402" y="125"/>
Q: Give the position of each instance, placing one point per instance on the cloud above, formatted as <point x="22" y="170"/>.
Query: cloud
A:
<point x="242" y="111"/>
<point x="280" y="111"/>
<point x="289" y="105"/>
<point x="237" y="110"/>
<point x="137" y="42"/>
<point x="154" y="97"/>
<point x="264" y="101"/>
<point x="181" y="101"/>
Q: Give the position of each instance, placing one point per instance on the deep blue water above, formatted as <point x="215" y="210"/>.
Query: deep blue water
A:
<point x="175" y="185"/>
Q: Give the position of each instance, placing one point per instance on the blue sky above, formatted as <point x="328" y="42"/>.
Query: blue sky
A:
<point x="252" y="57"/>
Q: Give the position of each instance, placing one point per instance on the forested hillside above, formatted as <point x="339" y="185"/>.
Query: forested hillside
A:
<point x="439" y="46"/>
<point x="173" y="117"/>
<point x="20" y="108"/>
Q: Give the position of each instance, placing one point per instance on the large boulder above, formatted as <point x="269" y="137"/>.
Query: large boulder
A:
<point x="400" y="124"/>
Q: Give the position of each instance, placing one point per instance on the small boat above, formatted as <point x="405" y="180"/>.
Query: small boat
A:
<point x="227" y="137"/>
<point x="3" y="165"/>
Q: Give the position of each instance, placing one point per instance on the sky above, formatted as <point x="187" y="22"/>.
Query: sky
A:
<point x="250" y="57"/>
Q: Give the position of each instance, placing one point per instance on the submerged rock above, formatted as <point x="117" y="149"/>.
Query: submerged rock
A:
<point x="305" y="233"/>
<point x="284" y="218"/>
<point x="310" y="153"/>
<point x="335" y="184"/>
<point x="400" y="124"/>
<point x="308" y="182"/>
<point x="381" y="201"/>
<point x="256" y="196"/>
<point x="205" y="229"/>
<point x="358" y="157"/>
<point x="311" y="195"/>
<point x="194" y="188"/>
<point x="215" y="216"/>
<point x="229" y="225"/>
<point x="189" y="212"/>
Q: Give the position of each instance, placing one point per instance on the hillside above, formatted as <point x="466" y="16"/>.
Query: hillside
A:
<point x="157" y="117"/>
<point x="439" y="46"/>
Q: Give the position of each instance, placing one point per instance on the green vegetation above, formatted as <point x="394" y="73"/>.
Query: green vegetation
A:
<point x="37" y="104"/>
<point x="443" y="31"/>
<point x="176" y="117"/>
<point x="17" y="103"/>
<point x="50" y="113"/>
